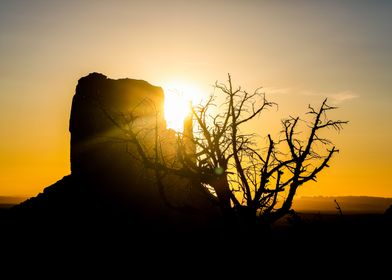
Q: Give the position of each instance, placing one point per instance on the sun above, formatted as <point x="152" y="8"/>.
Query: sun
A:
<point x="177" y="108"/>
<point x="179" y="97"/>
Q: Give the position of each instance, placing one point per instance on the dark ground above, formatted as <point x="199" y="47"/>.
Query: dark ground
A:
<point x="305" y="237"/>
<point x="311" y="245"/>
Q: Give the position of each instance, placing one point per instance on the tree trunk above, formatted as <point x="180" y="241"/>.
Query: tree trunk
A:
<point x="285" y="209"/>
<point x="221" y="186"/>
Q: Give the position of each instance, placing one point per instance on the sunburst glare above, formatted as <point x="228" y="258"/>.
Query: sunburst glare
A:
<point x="178" y="99"/>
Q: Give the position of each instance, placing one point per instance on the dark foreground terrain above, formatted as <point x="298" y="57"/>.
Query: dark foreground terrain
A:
<point x="312" y="245"/>
<point x="306" y="236"/>
<point x="324" y="238"/>
<point x="310" y="228"/>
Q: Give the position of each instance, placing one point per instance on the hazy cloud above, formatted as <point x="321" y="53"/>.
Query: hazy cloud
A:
<point x="277" y="90"/>
<point x="342" y="96"/>
<point x="333" y="97"/>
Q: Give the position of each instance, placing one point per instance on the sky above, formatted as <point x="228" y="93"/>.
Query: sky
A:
<point x="299" y="51"/>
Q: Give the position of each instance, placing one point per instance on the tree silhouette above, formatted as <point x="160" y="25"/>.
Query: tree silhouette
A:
<point x="221" y="158"/>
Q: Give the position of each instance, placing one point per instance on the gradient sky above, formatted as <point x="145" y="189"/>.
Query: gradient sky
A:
<point x="300" y="51"/>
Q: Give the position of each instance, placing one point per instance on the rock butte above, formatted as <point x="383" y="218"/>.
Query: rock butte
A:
<point x="107" y="179"/>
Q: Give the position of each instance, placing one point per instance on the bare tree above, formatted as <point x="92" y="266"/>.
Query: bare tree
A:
<point x="221" y="158"/>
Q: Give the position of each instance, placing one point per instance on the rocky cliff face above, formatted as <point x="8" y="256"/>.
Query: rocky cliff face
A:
<point x="96" y="100"/>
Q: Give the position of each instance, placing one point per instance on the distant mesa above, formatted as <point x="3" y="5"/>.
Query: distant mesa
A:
<point x="106" y="176"/>
<point x="9" y="201"/>
<point x="349" y="204"/>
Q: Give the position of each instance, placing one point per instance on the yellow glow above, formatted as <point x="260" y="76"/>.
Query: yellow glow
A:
<point x="178" y="98"/>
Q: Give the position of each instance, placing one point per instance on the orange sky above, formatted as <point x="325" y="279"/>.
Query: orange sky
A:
<point x="300" y="52"/>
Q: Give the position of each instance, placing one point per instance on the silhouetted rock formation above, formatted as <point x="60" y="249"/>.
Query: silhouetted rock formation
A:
<point x="98" y="154"/>
<point x="107" y="179"/>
